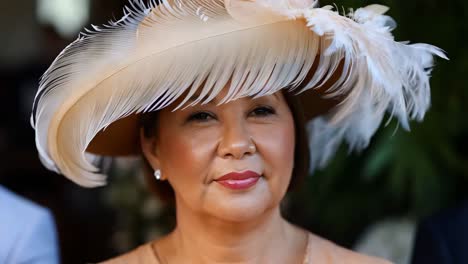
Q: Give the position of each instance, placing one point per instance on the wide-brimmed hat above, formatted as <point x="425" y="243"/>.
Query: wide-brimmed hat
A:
<point x="347" y="69"/>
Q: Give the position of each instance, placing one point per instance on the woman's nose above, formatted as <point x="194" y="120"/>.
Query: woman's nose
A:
<point x="236" y="141"/>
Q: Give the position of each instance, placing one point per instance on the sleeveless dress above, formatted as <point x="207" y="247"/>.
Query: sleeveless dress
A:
<point x="319" y="251"/>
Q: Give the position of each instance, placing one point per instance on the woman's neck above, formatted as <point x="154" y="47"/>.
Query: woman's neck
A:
<point x="204" y="239"/>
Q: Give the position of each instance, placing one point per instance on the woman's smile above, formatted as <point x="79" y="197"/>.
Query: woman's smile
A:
<point x="239" y="180"/>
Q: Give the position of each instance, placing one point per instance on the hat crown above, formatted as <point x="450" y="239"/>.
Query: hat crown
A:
<point x="267" y="10"/>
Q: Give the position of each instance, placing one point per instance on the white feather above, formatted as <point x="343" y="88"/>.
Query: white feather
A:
<point x="388" y="76"/>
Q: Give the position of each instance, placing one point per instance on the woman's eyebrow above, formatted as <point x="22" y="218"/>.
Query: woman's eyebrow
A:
<point x="276" y="96"/>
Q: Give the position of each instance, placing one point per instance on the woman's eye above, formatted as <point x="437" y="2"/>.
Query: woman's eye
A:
<point x="263" y="111"/>
<point x="200" y="117"/>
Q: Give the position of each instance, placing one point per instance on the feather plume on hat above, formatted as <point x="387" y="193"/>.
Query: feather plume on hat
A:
<point x="157" y="53"/>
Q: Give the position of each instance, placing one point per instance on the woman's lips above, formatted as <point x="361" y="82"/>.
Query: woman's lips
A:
<point x="239" y="181"/>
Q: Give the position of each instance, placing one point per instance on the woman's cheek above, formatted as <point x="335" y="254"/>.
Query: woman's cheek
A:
<point x="188" y="155"/>
<point x="277" y="143"/>
<point x="277" y="150"/>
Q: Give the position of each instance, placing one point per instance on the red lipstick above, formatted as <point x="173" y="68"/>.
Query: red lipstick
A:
<point x="239" y="181"/>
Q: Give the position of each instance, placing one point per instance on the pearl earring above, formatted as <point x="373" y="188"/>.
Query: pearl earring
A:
<point x="157" y="175"/>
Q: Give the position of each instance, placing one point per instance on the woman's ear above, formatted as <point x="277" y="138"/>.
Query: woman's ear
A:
<point x="149" y="151"/>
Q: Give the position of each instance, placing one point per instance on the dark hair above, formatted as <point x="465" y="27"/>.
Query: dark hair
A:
<point x="149" y="123"/>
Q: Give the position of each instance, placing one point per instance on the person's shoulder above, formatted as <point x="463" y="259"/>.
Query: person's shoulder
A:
<point x="142" y="255"/>
<point x="442" y="236"/>
<point x="18" y="206"/>
<point x="26" y="227"/>
<point x="449" y="221"/>
<point x="19" y="215"/>
<point x="320" y="250"/>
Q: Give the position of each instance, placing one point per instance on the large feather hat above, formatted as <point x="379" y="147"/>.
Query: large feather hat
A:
<point x="89" y="99"/>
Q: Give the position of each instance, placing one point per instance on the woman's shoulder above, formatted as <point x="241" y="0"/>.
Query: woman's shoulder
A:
<point x="143" y="255"/>
<point x="320" y="250"/>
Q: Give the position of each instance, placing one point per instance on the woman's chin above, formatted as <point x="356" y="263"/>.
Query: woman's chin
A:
<point x="241" y="204"/>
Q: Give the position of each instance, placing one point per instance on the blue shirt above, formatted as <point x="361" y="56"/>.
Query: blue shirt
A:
<point x="27" y="232"/>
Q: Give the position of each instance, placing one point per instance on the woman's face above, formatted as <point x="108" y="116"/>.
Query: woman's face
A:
<point x="195" y="147"/>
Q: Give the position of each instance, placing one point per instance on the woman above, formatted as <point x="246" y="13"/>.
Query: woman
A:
<point x="209" y="93"/>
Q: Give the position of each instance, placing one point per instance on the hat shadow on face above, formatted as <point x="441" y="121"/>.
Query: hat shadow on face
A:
<point x="126" y="131"/>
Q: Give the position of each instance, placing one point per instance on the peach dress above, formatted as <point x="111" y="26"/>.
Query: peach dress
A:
<point x="319" y="251"/>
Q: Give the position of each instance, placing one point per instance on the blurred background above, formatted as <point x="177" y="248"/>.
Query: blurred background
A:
<point x="371" y="201"/>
